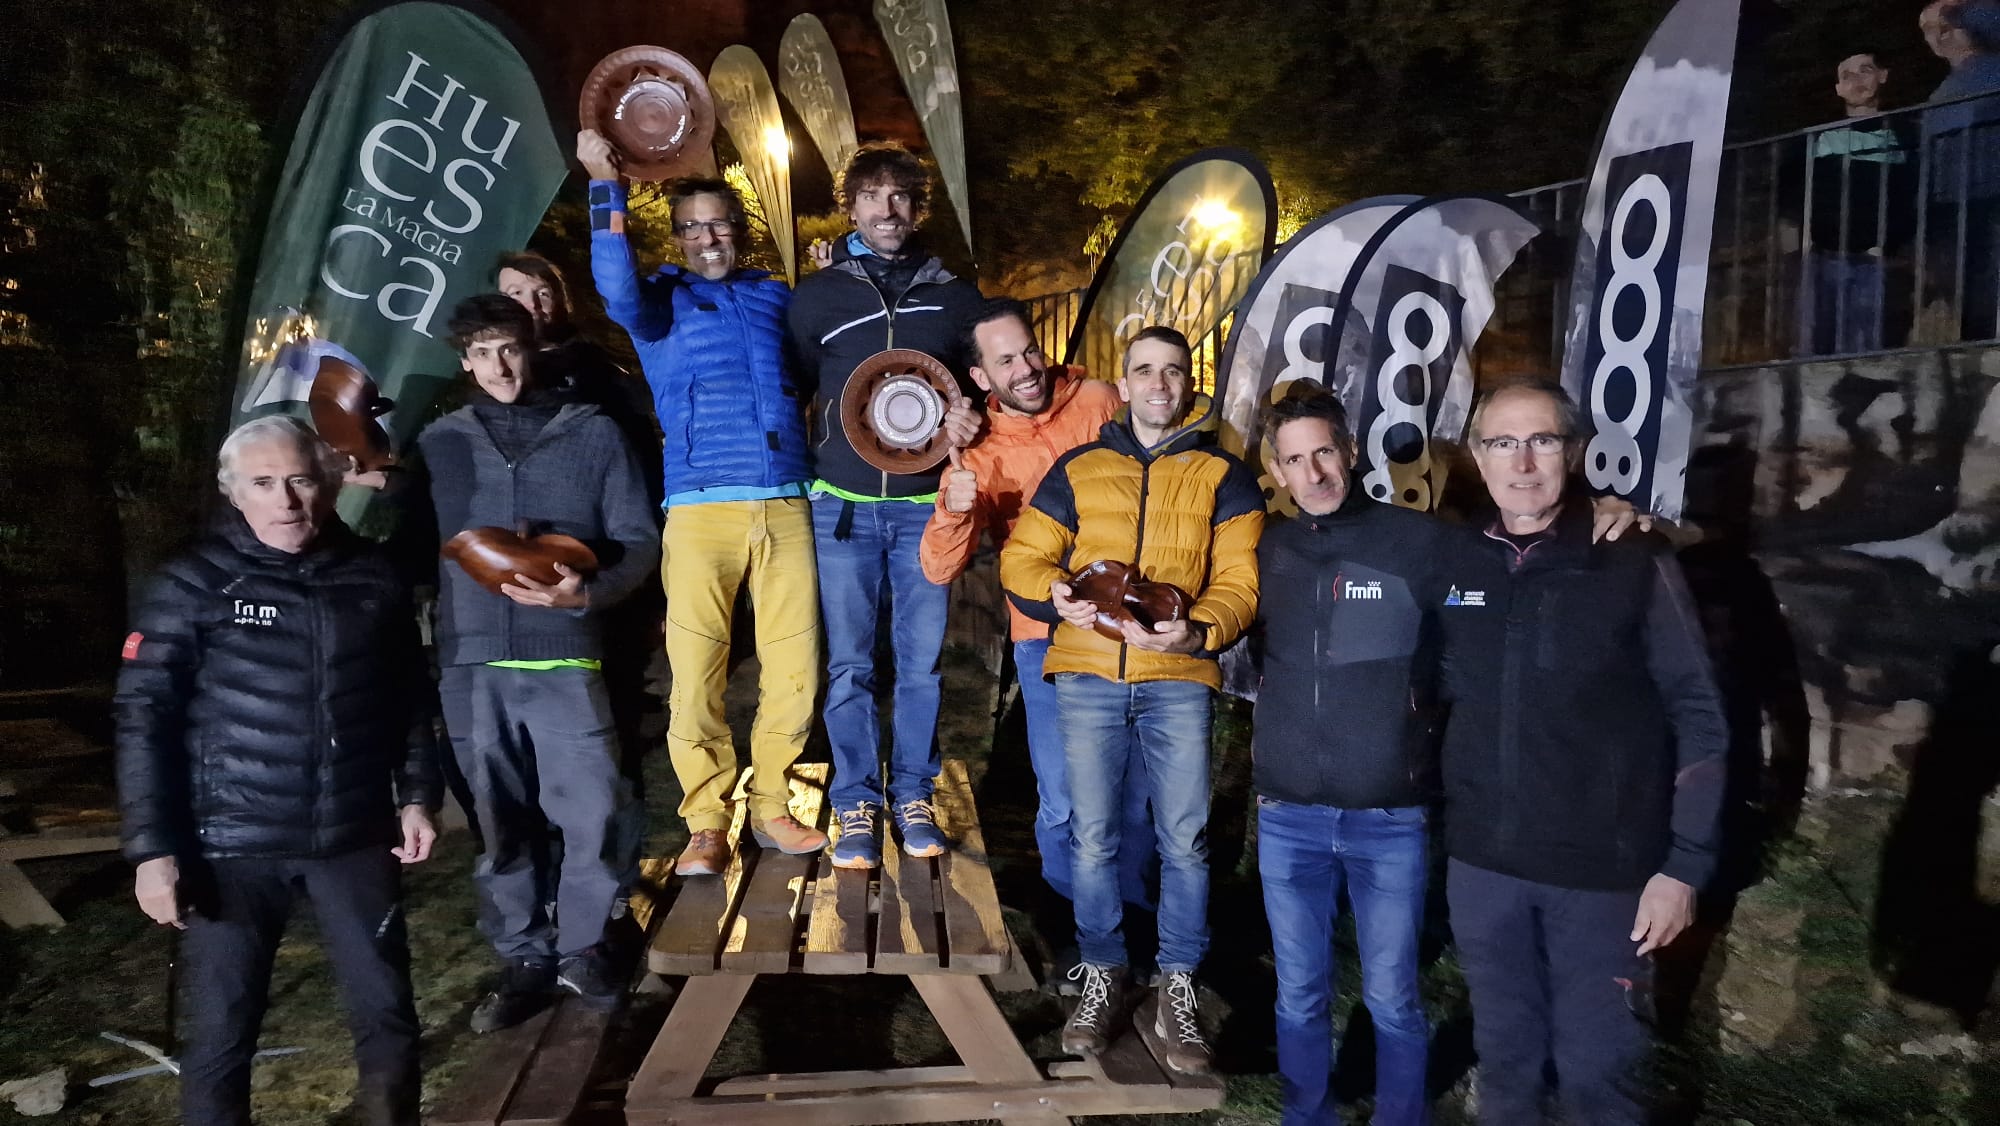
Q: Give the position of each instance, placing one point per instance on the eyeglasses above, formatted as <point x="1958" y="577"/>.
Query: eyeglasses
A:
<point x="1542" y="445"/>
<point x="720" y="228"/>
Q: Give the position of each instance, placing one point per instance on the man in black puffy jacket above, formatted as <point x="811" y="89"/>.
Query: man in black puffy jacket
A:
<point x="274" y="715"/>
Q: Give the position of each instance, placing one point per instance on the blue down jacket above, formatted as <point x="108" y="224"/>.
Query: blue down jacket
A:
<point x="714" y="355"/>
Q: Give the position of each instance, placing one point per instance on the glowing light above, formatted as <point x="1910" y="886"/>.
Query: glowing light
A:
<point x="777" y="143"/>
<point x="1214" y="214"/>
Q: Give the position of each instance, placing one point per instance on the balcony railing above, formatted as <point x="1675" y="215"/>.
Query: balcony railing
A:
<point x="1856" y="236"/>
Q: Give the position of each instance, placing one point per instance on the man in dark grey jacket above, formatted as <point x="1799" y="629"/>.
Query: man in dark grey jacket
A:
<point x="524" y="694"/>
<point x="274" y="714"/>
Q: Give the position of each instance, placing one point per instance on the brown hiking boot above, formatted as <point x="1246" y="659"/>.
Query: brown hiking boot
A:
<point x="706" y="854"/>
<point x="1088" y="1030"/>
<point x="1178" y="1025"/>
<point x="786" y="834"/>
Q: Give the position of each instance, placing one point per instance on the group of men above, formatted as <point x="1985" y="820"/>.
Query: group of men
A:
<point x="276" y="714"/>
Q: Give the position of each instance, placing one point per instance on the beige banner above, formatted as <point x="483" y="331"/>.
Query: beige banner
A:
<point x="810" y="78"/>
<point x="919" y="35"/>
<point x="748" y="108"/>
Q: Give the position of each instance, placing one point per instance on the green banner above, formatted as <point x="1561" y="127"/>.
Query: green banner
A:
<point x="424" y="152"/>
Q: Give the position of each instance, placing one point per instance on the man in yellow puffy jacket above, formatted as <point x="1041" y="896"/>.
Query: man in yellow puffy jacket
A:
<point x="1154" y="492"/>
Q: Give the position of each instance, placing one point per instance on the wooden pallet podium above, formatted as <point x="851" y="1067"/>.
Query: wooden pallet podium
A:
<point x="935" y="921"/>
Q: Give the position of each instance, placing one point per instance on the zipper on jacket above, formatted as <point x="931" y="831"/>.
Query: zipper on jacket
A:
<point x="322" y="722"/>
<point x="1138" y="546"/>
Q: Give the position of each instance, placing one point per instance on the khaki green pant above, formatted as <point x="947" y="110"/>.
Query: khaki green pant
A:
<point x="710" y="551"/>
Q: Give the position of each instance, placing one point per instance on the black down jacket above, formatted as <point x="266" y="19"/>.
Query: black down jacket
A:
<point x="272" y="704"/>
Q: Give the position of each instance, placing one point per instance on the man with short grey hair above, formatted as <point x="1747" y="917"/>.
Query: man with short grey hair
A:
<point x="274" y="719"/>
<point x="1583" y="771"/>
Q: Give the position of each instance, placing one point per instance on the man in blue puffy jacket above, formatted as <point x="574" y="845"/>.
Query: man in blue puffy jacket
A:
<point x="710" y="338"/>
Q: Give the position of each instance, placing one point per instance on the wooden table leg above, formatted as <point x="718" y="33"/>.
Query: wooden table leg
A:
<point x="680" y="1054"/>
<point x="985" y="1042"/>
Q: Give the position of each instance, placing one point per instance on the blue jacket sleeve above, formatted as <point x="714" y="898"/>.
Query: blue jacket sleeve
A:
<point x="643" y="308"/>
<point x="1677" y="657"/>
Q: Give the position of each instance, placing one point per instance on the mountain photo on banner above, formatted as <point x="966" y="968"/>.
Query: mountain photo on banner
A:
<point x="1421" y="295"/>
<point x="424" y="152"/>
<point x="1189" y="251"/>
<point x="1632" y="347"/>
<point x="1283" y="330"/>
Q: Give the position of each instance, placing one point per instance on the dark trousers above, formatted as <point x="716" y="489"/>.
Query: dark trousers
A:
<point x="239" y="909"/>
<point x="538" y="750"/>
<point x="1554" y="979"/>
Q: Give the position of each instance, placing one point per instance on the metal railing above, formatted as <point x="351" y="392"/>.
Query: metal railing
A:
<point x="1054" y="320"/>
<point x="1855" y="236"/>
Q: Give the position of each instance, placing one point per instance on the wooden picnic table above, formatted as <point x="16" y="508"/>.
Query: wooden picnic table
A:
<point x="935" y="921"/>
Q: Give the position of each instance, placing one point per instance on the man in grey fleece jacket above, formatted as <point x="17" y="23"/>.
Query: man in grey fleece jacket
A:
<point x="523" y="690"/>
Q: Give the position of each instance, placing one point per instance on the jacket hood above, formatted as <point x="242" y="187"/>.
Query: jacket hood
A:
<point x="568" y="415"/>
<point x="1201" y="427"/>
<point x="931" y="272"/>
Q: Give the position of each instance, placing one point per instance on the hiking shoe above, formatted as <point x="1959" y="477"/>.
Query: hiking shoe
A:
<point x="1088" y="1030"/>
<point x="706" y="854"/>
<point x="525" y="989"/>
<point x="858" y="846"/>
<point x="589" y="975"/>
<point x="1178" y="1025"/>
<point x="786" y="834"/>
<point x="916" y="823"/>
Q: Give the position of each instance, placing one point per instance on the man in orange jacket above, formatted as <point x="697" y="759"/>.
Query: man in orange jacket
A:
<point x="1035" y="413"/>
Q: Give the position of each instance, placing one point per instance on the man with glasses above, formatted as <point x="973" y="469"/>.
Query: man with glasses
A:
<point x="1583" y="770"/>
<point x="710" y="338"/>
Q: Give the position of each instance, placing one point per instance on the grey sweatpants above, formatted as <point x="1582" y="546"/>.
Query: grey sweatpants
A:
<point x="538" y="748"/>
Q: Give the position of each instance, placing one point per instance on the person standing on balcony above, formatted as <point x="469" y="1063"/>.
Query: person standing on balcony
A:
<point x="1962" y="142"/>
<point x="1858" y="218"/>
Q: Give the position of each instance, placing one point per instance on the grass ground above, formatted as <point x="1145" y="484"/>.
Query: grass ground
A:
<point x="1789" y="1020"/>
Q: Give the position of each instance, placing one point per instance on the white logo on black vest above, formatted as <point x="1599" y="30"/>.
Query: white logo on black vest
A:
<point x="255" y="614"/>
<point x="1467" y="598"/>
<point x="1370" y="591"/>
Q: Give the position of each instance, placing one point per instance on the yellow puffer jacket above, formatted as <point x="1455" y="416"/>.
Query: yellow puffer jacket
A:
<point x="1186" y="512"/>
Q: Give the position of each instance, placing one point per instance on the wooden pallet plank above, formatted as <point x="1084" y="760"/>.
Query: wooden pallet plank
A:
<point x="478" y="1097"/>
<point x="906" y="928"/>
<point x="837" y="938"/>
<point x="765" y="929"/>
<point x="945" y="1102"/>
<point x="975" y="934"/>
<point x="22" y="904"/>
<point x="811" y="1081"/>
<point x="687" y="1041"/>
<point x="557" y="1078"/>
<point x="688" y="939"/>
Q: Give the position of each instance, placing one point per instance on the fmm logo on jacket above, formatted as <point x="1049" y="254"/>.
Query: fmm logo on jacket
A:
<point x="255" y="614"/>
<point x="1368" y="591"/>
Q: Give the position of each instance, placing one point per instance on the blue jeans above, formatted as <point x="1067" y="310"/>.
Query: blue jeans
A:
<point x="877" y="555"/>
<point x="1136" y="854"/>
<point x="1841" y="303"/>
<point x="1162" y="725"/>
<point x="1306" y="854"/>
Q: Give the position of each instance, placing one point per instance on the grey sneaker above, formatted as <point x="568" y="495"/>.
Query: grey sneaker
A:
<point x="1178" y="1025"/>
<point x="1088" y="1030"/>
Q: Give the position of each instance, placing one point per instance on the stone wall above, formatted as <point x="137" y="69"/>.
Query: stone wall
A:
<point x="1863" y="617"/>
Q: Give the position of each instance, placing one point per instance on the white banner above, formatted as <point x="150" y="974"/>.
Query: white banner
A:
<point x="1633" y="344"/>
